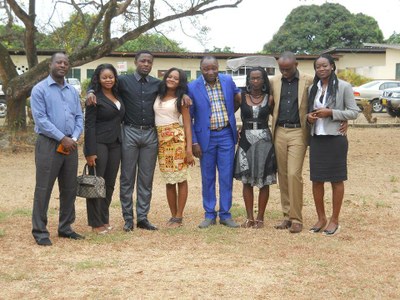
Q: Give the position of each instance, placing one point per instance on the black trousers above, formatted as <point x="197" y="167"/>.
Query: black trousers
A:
<point x="51" y="165"/>
<point x="107" y="165"/>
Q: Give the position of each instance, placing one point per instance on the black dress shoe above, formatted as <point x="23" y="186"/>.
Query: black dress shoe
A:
<point x="73" y="235"/>
<point x="145" y="224"/>
<point x="44" y="242"/>
<point x="128" y="227"/>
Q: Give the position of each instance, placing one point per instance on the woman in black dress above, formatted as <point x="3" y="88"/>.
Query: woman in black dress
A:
<point x="255" y="162"/>
<point x="103" y="141"/>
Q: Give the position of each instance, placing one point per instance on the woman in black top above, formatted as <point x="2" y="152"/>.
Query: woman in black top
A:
<point x="103" y="141"/>
<point x="255" y="162"/>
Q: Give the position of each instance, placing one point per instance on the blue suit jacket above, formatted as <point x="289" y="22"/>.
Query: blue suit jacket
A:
<point x="200" y="111"/>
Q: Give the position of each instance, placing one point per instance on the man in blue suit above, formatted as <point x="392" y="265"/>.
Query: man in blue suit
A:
<point x="214" y="137"/>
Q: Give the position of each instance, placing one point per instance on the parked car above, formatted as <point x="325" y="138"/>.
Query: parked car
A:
<point x="3" y="103"/>
<point x="239" y="67"/>
<point x="391" y="100"/>
<point x="76" y="84"/>
<point x="372" y="91"/>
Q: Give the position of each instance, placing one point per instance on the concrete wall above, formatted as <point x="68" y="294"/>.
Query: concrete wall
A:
<point x="373" y="65"/>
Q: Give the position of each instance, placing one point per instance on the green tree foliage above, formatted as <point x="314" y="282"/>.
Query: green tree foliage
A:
<point x="12" y="37"/>
<point x="353" y="78"/>
<point x="95" y="29"/>
<point x="71" y="34"/>
<point x="310" y="29"/>
<point x="394" y="38"/>
<point x="152" y="42"/>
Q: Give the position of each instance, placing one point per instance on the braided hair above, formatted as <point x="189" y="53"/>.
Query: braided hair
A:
<point x="266" y="85"/>
<point x="333" y="83"/>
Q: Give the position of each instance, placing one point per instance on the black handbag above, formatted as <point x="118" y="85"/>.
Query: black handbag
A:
<point x="90" y="186"/>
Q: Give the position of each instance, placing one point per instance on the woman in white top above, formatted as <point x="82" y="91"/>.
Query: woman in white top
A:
<point x="331" y="101"/>
<point x="174" y="142"/>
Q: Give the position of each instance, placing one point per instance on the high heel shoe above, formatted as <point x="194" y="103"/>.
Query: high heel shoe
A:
<point x="316" y="229"/>
<point x="98" y="230"/>
<point x="331" y="232"/>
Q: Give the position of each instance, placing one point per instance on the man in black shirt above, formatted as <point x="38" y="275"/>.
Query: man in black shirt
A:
<point x="138" y="91"/>
<point x="290" y="136"/>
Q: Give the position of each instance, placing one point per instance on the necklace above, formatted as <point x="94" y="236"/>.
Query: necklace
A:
<point x="252" y="99"/>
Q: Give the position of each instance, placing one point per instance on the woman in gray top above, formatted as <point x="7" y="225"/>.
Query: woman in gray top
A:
<point x="331" y="101"/>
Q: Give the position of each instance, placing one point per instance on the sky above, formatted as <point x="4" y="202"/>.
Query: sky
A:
<point x="247" y="28"/>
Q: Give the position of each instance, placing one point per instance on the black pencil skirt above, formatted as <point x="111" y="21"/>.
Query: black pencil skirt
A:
<point x="328" y="158"/>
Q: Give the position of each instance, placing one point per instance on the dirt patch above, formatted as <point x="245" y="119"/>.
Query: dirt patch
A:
<point x="361" y="262"/>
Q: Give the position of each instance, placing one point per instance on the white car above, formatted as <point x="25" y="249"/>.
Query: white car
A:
<point x="76" y="84"/>
<point x="391" y="100"/>
<point x="372" y="91"/>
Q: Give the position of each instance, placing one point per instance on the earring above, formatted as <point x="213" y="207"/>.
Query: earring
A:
<point x="264" y="87"/>
<point x="248" y="88"/>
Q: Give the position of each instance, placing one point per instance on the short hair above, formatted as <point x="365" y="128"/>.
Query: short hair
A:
<point x="287" y="55"/>
<point x="208" y="57"/>
<point x="138" y="54"/>
<point x="53" y="56"/>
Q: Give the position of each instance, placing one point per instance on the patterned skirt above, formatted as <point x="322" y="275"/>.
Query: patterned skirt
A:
<point x="172" y="153"/>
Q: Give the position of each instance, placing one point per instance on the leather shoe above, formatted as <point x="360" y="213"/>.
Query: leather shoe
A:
<point x="44" y="242"/>
<point x="73" y="235"/>
<point x="145" y="224"/>
<point x="296" y="228"/>
<point x="229" y="223"/>
<point x="284" y="225"/>
<point x="128" y="227"/>
<point x="207" y="223"/>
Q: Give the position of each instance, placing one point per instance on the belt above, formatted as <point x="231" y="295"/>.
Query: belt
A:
<point x="254" y="125"/>
<point x="142" y="127"/>
<point x="290" y="125"/>
<point x="220" y="128"/>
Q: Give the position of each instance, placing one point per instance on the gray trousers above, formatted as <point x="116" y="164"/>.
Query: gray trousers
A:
<point x="139" y="157"/>
<point x="50" y="166"/>
<point x="107" y="165"/>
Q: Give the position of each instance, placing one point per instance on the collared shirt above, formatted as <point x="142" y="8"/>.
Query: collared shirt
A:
<point x="138" y="97"/>
<point x="56" y="110"/>
<point x="289" y="102"/>
<point x="219" y="115"/>
<point x="320" y="124"/>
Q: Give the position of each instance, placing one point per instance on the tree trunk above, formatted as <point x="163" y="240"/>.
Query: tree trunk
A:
<point x="16" y="113"/>
<point x="18" y="90"/>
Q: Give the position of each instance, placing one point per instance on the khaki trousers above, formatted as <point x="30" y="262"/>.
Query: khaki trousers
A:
<point x="290" y="151"/>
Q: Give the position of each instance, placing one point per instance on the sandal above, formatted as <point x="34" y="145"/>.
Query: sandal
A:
<point x="174" y="222"/>
<point x="247" y="224"/>
<point x="258" y="224"/>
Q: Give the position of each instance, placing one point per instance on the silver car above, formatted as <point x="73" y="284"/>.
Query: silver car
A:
<point x="372" y="91"/>
<point x="391" y="100"/>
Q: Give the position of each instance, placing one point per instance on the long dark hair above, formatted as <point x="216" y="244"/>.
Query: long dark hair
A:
<point x="95" y="81"/>
<point x="180" y="90"/>
<point x="333" y="83"/>
<point x="266" y="85"/>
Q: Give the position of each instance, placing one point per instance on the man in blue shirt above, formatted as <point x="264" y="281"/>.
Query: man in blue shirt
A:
<point x="58" y="120"/>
